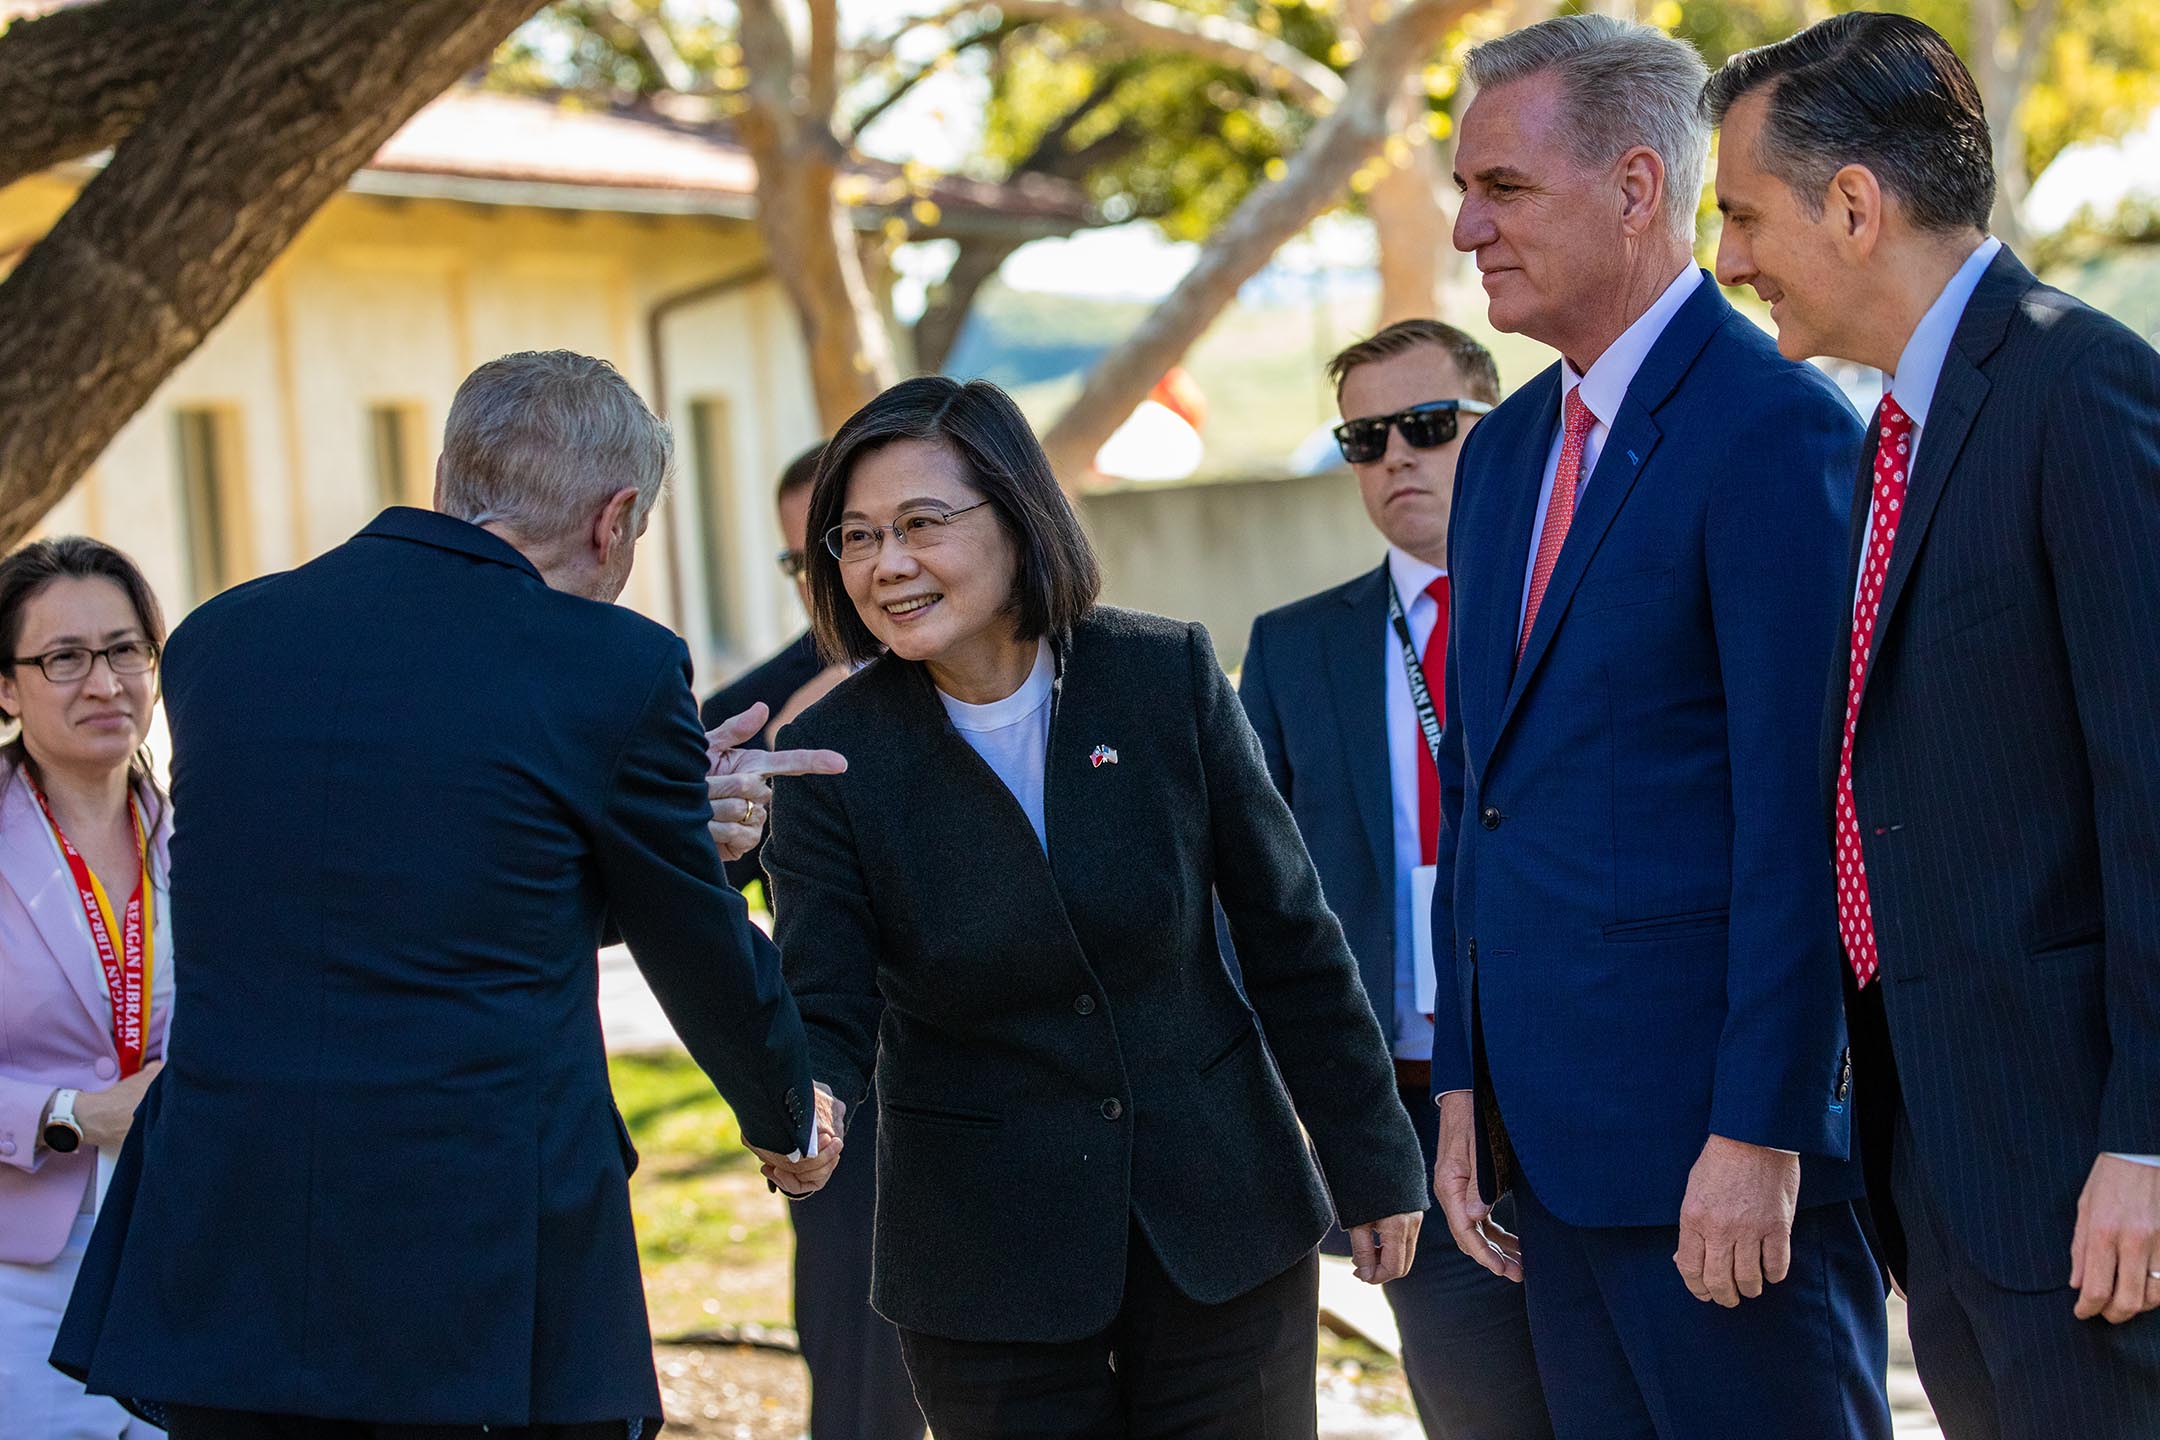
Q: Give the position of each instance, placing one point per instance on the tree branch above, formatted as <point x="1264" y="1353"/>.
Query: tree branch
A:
<point x="906" y="84"/>
<point x="1267" y="217"/>
<point x="650" y="34"/>
<point x="284" y="103"/>
<point x="79" y="80"/>
<point x="1157" y="25"/>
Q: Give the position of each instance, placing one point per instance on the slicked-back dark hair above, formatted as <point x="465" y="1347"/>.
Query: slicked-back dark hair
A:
<point x="1058" y="577"/>
<point x="801" y="472"/>
<point x="1472" y="361"/>
<point x="1883" y="91"/>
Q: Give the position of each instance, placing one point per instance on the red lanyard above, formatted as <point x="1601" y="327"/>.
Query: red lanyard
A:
<point x="127" y="978"/>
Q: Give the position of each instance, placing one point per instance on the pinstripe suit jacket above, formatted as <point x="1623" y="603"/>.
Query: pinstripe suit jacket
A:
<point x="2007" y="775"/>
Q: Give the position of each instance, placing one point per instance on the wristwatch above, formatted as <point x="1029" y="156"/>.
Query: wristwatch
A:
<point x="63" y="1135"/>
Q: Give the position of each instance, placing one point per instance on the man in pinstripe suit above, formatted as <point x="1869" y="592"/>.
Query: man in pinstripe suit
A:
<point x="1991" y="755"/>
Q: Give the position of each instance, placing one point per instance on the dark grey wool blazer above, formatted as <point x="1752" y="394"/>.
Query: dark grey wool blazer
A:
<point x="1059" y="1049"/>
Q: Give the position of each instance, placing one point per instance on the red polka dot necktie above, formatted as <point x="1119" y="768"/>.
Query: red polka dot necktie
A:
<point x="1559" y="511"/>
<point x="1434" y="663"/>
<point x="1893" y="467"/>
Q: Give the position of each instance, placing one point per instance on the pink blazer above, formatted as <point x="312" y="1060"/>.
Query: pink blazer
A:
<point x="55" y="1022"/>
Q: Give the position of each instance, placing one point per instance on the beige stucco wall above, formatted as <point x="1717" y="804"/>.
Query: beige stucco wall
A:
<point x="389" y="301"/>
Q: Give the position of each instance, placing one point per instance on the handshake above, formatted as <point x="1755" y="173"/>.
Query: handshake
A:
<point x="803" y="1175"/>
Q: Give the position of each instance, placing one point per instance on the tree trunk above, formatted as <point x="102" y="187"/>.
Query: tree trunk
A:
<point x="1266" y="218"/>
<point x="79" y="80"/>
<point x="952" y="298"/>
<point x="806" y="230"/>
<point x="285" y="103"/>
<point x="1409" y="226"/>
<point x="2007" y="48"/>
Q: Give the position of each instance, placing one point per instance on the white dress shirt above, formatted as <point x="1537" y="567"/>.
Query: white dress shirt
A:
<point x="1413" y="1030"/>
<point x="1603" y="388"/>
<point x="1013" y="735"/>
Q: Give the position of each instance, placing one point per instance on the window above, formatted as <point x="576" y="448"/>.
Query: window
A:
<point x="712" y="460"/>
<point x="396" y="466"/>
<point x="211" y="500"/>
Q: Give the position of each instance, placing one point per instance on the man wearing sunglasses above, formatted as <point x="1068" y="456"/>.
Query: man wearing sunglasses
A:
<point x="1328" y="684"/>
<point x="859" y="1388"/>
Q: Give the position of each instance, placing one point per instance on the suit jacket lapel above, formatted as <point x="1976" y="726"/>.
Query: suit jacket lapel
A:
<point x="1356" y="650"/>
<point x="1497" y="662"/>
<point x="32" y="867"/>
<point x="1629" y="443"/>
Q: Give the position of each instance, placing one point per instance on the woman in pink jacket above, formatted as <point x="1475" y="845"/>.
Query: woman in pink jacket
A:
<point x="85" y="967"/>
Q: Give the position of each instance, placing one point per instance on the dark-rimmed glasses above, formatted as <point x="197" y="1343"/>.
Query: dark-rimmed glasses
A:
<point x="1423" y="427"/>
<point x="853" y="540"/>
<point x="72" y="662"/>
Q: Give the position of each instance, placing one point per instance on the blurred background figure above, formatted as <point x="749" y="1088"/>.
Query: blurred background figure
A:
<point x="86" y="973"/>
<point x="1345" y="689"/>
<point x="858" y="1384"/>
<point x="1160" y="440"/>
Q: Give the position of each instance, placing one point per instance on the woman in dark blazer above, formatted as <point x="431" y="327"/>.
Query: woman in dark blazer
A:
<point x="1096" y="1212"/>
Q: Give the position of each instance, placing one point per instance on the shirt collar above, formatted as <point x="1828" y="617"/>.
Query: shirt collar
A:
<point x="1411" y="575"/>
<point x="1606" y="384"/>
<point x="1920" y="365"/>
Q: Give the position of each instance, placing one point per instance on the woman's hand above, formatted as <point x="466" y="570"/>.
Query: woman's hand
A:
<point x="1383" y="1250"/>
<point x="105" y="1115"/>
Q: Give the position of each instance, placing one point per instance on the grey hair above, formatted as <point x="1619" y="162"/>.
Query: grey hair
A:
<point x="1625" y="85"/>
<point x="537" y="441"/>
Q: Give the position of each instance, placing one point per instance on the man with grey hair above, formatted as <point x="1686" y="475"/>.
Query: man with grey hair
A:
<point x="380" y="1186"/>
<point x="1644" y="548"/>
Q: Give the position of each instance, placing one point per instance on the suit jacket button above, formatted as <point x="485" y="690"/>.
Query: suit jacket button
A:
<point x="1112" y="1108"/>
<point x="1085" y="1005"/>
<point x="7" y="1147"/>
<point x="1490" y="817"/>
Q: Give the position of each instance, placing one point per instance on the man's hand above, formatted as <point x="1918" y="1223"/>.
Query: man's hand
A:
<point x="1736" y="1222"/>
<point x="106" y="1115"/>
<point x="2116" y="1245"/>
<point x="1469" y="1219"/>
<point x="799" y="1178"/>
<point x="1383" y="1250"/>
<point x="738" y="782"/>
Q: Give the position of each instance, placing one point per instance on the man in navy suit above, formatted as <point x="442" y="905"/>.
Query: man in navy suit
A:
<point x="1648" y="1036"/>
<point x="380" y="1187"/>
<point x="1990" y="776"/>
<point x="1329" y="688"/>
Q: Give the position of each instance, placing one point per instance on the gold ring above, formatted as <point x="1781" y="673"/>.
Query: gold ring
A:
<point x="749" y="812"/>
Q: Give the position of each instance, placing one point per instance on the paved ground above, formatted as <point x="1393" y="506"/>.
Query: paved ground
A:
<point x="632" y="1021"/>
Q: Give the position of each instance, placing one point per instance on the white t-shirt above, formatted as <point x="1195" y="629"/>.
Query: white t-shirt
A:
<point x="1013" y="735"/>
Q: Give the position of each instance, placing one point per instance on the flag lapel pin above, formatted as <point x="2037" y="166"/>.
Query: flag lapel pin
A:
<point x="1102" y="755"/>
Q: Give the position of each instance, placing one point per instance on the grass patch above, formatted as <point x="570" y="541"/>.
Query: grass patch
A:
<point x="714" y="1243"/>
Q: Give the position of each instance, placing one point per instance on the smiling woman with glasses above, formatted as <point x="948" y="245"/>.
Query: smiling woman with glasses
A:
<point x="85" y="954"/>
<point x="1006" y="910"/>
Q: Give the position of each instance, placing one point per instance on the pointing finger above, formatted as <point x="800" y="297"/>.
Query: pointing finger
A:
<point x="792" y="762"/>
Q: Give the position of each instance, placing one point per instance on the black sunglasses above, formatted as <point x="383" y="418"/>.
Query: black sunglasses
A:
<point x="1423" y="427"/>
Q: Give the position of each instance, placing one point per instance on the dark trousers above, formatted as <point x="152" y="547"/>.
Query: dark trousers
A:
<point x="2004" y="1365"/>
<point x="1628" y="1354"/>
<point x="1167" y="1366"/>
<point x="1465" y="1331"/>
<point x="859" y="1386"/>
<point x="190" y="1422"/>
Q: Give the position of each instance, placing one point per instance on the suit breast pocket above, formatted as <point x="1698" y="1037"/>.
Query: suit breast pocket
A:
<point x="1612" y="592"/>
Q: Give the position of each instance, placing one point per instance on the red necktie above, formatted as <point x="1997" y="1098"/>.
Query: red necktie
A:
<point x="1434" y="663"/>
<point x="1559" y="511"/>
<point x="1856" y="916"/>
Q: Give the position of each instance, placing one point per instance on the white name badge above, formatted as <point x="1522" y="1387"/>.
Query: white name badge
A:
<point x="1422" y="880"/>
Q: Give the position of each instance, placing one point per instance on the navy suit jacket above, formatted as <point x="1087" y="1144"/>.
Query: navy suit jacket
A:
<point x="381" y="1177"/>
<point x="1312" y="687"/>
<point x="1643" y="927"/>
<point x="2006" y="769"/>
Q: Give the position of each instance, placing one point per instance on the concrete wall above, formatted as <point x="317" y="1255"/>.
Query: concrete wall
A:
<point x="1222" y="551"/>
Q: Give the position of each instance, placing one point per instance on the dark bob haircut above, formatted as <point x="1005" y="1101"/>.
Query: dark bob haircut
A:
<point x="1058" y="576"/>
<point x="1882" y="91"/>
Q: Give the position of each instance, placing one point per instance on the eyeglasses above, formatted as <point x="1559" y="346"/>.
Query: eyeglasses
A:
<point x="792" y="563"/>
<point x="65" y="666"/>
<point x="1423" y="427"/>
<point x="855" y="540"/>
